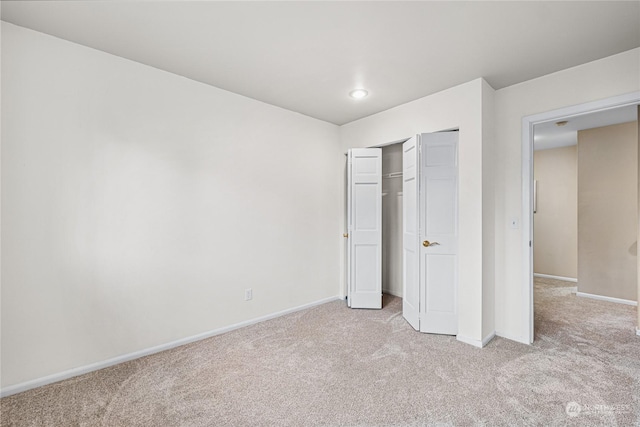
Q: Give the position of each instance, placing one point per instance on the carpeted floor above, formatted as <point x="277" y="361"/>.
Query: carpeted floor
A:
<point x="331" y="366"/>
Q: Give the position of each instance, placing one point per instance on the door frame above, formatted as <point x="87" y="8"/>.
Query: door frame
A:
<point x="528" y="122"/>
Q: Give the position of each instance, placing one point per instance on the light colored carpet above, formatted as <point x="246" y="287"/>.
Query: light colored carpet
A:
<point x="331" y="366"/>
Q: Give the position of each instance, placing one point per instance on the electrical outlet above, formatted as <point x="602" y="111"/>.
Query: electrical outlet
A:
<point x="248" y="294"/>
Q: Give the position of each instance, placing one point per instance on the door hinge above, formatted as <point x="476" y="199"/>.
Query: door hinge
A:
<point x="529" y="243"/>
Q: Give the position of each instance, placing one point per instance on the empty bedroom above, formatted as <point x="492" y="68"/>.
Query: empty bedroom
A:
<point x="314" y="213"/>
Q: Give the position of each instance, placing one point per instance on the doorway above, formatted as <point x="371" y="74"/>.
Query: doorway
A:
<point x="547" y="120"/>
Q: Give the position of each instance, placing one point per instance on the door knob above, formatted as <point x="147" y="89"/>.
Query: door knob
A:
<point x="426" y="244"/>
<point x="345" y="235"/>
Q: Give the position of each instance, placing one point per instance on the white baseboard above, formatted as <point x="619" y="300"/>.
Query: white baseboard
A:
<point x="512" y="338"/>
<point x="38" y="382"/>
<point x="488" y="338"/>
<point x="390" y="292"/>
<point x="476" y="343"/>
<point x="609" y="299"/>
<point x="550" y="276"/>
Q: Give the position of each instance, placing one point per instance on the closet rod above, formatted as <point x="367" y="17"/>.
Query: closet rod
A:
<point x="392" y="175"/>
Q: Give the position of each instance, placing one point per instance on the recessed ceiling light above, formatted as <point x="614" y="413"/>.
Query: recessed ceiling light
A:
<point x="562" y="123"/>
<point x="358" y="93"/>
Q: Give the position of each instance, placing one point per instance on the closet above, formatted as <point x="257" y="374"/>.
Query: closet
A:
<point x="402" y="221"/>
<point x="392" y="219"/>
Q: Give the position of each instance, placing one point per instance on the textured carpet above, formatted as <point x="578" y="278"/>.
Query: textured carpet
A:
<point x="334" y="366"/>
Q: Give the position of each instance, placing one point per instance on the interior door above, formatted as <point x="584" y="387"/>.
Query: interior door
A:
<point x="439" y="232"/>
<point x="364" y="211"/>
<point x="410" y="235"/>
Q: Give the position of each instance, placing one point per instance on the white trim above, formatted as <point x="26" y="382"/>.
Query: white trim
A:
<point x="38" y="382"/>
<point x="527" y="191"/>
<point x="488" y="338"/>
<point x="476" y="343"/>
<point x="609" y="299"/>
<point x="386" y="144"/>
<point x="551" y="276"/>
<point x="637" y="331"/>
<point x="467" y="340"/>
<point x="389" y="292"/>
<point x="527" y="230"/>
<point x="511" y="337"/>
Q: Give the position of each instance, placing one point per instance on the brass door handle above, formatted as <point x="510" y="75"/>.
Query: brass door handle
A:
<point x="345" y="235"/>
<point x="427" y="243"/>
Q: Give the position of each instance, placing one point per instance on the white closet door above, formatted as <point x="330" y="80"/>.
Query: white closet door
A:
<point x="410" y="236"/>
<point x="365" y="228"/>
<point x="439" y="233"/>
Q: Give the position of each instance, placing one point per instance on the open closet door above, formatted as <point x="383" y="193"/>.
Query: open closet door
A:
<point x="364" y="211"/>
<point x="439" y="232"/>
<point x="410" y="235"/>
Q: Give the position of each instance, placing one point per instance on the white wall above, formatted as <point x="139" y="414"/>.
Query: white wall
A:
<point x="459" y="107"/>
<point x="133" y="200"/>
<point x="615" y="75"/>
<point x="488" y="211"/>
<point x="138" y="205"/>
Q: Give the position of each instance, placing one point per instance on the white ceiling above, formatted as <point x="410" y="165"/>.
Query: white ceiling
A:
<point x="549" y="135"/>
<point x="307" y="56"/>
